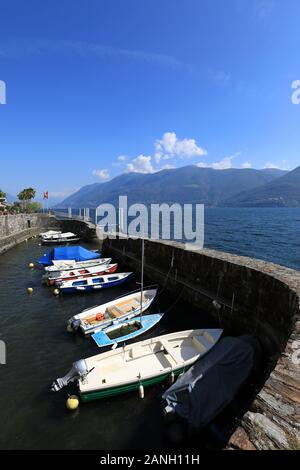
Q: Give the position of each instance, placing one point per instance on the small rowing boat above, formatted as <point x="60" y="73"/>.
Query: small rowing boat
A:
<point x="82" y="273"/>
<point x="102" y="316"/>
<point x="94" y="283"/>
<point x="69" y="265"/>
<point x="123" y="331"/>
<point x="59" y="238"/>
<point x="138" y="365"/>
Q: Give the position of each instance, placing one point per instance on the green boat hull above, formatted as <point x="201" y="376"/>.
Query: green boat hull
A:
<point x="109" y="392"/>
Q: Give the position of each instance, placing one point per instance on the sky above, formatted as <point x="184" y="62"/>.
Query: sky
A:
<point x="97" y="88"/>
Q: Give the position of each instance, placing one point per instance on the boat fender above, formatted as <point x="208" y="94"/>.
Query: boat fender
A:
<point x="79" y="370"/>
<point x="100" y="316"/>
<point x="141" y="392"/>
<point x="171" y="378"/>
<point x="56" y="292"/>
<point x="72" y="403"/>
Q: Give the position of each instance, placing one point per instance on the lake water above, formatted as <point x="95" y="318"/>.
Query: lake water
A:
<point x="271" y="234"/>
<point x="39" y="349"/>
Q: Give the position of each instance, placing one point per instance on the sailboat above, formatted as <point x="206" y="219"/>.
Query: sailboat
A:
<point x="83" y="273"/>
<point x="124" y="330"/>
<point x="138" y="365"/>
<point x="102" y="316"/>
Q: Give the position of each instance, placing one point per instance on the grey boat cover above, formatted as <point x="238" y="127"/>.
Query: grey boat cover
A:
<point x="201" y="393"/>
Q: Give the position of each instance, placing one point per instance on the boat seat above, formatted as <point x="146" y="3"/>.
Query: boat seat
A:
<point x="114" y="311"/>
<point x="198" y="345"/>
<point x="138" y="351"/>
<point x="168" y="350"/>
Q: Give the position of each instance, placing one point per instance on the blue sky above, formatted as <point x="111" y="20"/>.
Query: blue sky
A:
<point x="96" y="88"/>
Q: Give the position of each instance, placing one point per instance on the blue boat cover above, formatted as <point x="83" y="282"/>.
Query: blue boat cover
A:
<point x="200" y="394"/>
<point x="77" y="253"/>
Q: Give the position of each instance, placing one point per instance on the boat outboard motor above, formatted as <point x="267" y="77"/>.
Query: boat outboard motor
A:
<point x="74" y="324"/>
<point x="78" y="371"/>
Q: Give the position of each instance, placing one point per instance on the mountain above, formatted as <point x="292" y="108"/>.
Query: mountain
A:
<point x="281" y="192"/>
<point x="188" y="184"/>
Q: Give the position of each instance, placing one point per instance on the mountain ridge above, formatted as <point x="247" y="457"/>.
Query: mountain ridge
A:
<point x="188" y="184"/>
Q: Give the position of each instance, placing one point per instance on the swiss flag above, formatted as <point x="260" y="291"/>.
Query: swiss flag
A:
<point x="46" y="195"/>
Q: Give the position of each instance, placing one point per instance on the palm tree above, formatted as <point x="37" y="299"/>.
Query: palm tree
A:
<point x="26" y="195"/>
<point x="2" y="193"/>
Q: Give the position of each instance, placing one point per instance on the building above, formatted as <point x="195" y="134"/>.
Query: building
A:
<point x="3" y="204"/>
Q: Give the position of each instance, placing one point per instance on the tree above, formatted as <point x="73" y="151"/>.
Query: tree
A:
<point x="34" y="207"/>
<point x="26" y="195"/>
<point x="2" y="193"/>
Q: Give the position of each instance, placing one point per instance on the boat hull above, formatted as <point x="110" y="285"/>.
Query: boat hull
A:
<point x="127" y="388"/>
<point x="147" y="323"/>
<point x="104" y="270"/>
<point x="94" y="288"/>
<point x="59" y="242"/>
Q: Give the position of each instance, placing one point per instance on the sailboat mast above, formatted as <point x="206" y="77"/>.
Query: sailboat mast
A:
<point x="142" y="275"/>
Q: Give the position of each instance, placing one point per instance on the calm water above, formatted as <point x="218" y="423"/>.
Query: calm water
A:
<point x="39" y="350"/>
<point x="271" y="234"/>
<point x="265" y="233"/>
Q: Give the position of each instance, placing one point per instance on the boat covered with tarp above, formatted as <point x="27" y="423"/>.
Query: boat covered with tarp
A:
<point x="211" y="384"/>
<point x="76" y="253"/>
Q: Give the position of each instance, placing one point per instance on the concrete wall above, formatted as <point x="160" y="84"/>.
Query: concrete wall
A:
<point x="15" y="229"/>
<point x="256" y="297"/>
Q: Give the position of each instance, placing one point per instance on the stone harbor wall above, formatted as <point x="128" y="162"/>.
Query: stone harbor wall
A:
<point x="15" y="229"/>
<point x="85" y="230"/>
<point x="244" y="295"/>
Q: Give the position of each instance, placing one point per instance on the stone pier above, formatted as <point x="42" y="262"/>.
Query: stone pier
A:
<point x="255" y="297"/>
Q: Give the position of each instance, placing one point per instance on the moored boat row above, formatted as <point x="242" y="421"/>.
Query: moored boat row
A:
<point x="117" y="322"/>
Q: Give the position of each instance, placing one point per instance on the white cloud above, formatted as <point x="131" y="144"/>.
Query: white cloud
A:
<point x="283" y="165"/>
<point x="269" y="165"/>
<point x="140" y="164"/>
<point x="122" y="158"/>
<point x="102" y="174"/>
<point x="263" y="9"/>
<point x="82" y="49"/>
<point x="170" y="146"/>
<point x="246" y="165"/>
<point x="168" y="166"/>
<point x="219" y="77"/>
<point x="62" y="194"/>
<point x="223" y="164"/>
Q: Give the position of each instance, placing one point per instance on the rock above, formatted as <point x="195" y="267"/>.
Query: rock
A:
<point x="240" y="440"/>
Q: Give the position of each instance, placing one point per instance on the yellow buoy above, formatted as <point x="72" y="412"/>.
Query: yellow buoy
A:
<point x="141" y="392"/>
<point x="31" y="265"/>
<point x="72" y="403"/>
<point x="69" y="328"/>
<point x="56" y="292"/>
<point x="29" y="290"/>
